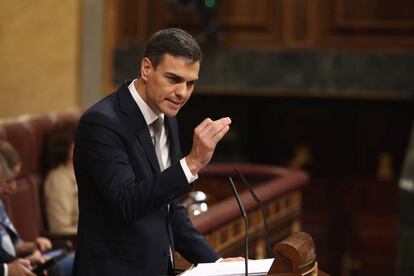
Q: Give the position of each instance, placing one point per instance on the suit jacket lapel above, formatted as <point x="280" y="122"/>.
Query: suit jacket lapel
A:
<point x="137" y="123"/>
<point x="173" y="138"/>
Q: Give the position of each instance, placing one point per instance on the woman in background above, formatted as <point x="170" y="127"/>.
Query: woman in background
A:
<point x="60" y="190"/>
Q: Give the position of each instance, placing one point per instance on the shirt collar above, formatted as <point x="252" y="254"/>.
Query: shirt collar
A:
<point x="149" y="115"/>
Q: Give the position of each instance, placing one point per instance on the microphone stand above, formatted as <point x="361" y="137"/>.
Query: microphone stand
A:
<point x="259" y="202"/>
<point x="246" y="234"/>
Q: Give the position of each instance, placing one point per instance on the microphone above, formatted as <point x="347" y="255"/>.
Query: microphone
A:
<point x="259" y="202"/>
<point x="246" y="234"/>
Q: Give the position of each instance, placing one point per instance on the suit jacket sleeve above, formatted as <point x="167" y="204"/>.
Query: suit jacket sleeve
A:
<point x="116" y="164"/>
<point x="189" y="242"/>
<point x="6" y="257"/>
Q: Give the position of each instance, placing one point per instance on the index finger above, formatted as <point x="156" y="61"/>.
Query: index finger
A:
<point x="208" y="121"/>
<point x="219" y="124"/>
<point x="224" y="120"/>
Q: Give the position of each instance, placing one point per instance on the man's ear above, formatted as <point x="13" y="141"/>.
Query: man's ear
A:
<point x="146" y="68"/>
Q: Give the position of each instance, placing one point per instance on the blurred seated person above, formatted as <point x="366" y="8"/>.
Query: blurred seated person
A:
<point x="60" y="189"/>
<point x="9" y="264"/>
<point x="11" y="163"/>
<point x="9" y="237"/>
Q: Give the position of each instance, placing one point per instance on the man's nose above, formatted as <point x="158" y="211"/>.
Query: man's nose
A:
<point x="181" y="90"/>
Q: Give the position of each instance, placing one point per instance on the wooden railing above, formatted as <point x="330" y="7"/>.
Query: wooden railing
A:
<point x="279" y="190"/>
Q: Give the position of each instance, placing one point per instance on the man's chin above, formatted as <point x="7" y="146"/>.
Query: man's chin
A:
<point x="170" y="109"/>
<point x="171" y="112"/>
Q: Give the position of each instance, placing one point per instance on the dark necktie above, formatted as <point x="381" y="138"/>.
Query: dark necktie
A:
<point x="157" y="128"/>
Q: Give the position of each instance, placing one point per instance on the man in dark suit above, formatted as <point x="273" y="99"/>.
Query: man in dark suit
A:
<point x="130" y="170"/>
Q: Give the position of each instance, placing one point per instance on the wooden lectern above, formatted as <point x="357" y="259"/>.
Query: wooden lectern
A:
<point x="295" y="256"/>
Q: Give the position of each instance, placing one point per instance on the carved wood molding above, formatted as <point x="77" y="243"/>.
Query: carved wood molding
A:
<point x="373" y="23"/>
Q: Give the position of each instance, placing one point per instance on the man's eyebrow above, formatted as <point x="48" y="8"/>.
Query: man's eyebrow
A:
<point x="177" y="77"/>
<point x="173" y="75"/>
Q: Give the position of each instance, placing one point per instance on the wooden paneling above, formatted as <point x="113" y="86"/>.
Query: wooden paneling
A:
<point x="244" y="13"/>
<point x="239" y="22"/>
<point x="298" y="28"/>
<point x="371" y="24"/>
<point x="338" y="24"/>
<point x="132" y="20"/>
<point x="375" y="14"/>
<point x="254" y="22"/>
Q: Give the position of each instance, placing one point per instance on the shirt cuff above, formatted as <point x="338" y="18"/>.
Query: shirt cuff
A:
<point x="190" y="177"/>
<point x="6" y="270"/>
<point x="219" y="260"/>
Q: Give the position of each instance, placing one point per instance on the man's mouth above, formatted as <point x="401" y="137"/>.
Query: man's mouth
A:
<point x="176" y="103"/>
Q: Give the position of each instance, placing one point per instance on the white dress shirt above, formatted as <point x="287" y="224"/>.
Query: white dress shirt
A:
<point x="150" y="117"/>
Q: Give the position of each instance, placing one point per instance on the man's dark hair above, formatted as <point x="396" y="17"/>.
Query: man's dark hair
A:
<point x="173" y="41"/>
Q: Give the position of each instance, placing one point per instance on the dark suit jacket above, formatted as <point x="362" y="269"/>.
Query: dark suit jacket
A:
<point x="123" y="196"/>
<point x="5" y="258"/>
<point x="6" y="226"/>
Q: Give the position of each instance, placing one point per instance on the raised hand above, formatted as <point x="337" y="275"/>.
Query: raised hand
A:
<point x="205" y="139"/>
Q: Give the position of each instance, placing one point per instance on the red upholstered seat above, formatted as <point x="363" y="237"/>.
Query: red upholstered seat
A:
<point x="21" y="135"/>
<point x="40" y="126"/>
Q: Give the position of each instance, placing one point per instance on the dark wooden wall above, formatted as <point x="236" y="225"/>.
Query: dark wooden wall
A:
<point x="352" y="147"/>
<point x="339" y="24"/>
